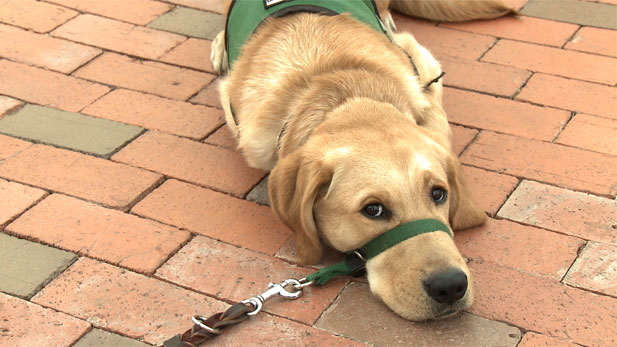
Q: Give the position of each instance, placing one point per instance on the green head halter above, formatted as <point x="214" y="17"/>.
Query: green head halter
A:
<point x="354" y="263"/>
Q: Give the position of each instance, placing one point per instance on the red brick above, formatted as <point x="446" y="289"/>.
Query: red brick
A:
<point x="568" y="167"/>
<point x="135" y="11"/>
<point x="554" y="61"/>
<point x="147" y="76"/>
<point x="503" y="115"/>
<point x="529" y="29"/>
<point x="112" y="184"/>
<point x="8" y="105"/>
<point x="25" y="324"/>
<point x="34" y="15"/>
<point x="571" y="95"/>
<point x="193" y="53"/>
<point x="613" y="2"/>
<point x="216" y="215"/>
<point x="461" y="137"/>
<point x="153" y="311"/>
<point x="288" y="253"/>
<point x="444" y="41"/>
<point x="15" y="198"/>
<point x="595" y="269"/>
<point x="208" y="96"/>
<point x="42" y="50"/>
<point x="118" y="36"/>
<point x="153" y="112"/>
<point x="125" y="302"/>
<point x="489" y="189"/>
<point x="208" y="5"/>
<point x="52" y="88"/>
<point x="573" y="213"/>
<point x="532" y="339"/>
<point x="592" y="133"/>
<point x="10" y="146"/>
<point x="484" y="77"/>
<point x="191" y="161"/>
<point x="358" y="314"/>
<point x="520" y="247"/>
<point x="273" y="331"/>
<point x="543" y="305"/>
<point x="223" y="138"/>
<point x="238" y="274"/>
<point x="594" y="40"/>
<point x="122" y="239"/>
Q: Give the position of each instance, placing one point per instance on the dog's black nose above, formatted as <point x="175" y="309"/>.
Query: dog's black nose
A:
<point x="446" y="286"/>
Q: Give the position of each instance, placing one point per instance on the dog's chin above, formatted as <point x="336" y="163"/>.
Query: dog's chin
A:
<point x="448" y="312"/>
<point x="437" y="313"/>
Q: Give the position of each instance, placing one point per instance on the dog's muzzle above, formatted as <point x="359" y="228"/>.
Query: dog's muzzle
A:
<point x="355" y="261"/>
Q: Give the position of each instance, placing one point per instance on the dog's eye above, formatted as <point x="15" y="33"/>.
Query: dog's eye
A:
<point x="374" y="210"/>
<point x="439" y="195"/>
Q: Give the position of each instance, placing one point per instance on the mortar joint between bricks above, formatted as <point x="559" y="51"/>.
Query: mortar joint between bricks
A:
<point x="175" y="251"/>
<point x="14" y="218"/>
<point x="472" y="140"/>
<point x="497" y="39"/>
<point x="518" y="184"/>
<point x="14" y="109"/>
<point x="211" y="133"/>
<point x="145" y="193"/>
<point x="571" y="37"/>
<point x="579" y="251"/>
<point x="572" y="114"/>
<point x="86" y="332"/>
<point x="518" y="91"/>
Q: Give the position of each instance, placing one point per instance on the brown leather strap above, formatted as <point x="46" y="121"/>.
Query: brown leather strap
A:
<point x="197" y="334"/>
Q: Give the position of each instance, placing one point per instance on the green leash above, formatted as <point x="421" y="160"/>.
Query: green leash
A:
<point x="354" y="263"/>
<point x="206" y="328"/>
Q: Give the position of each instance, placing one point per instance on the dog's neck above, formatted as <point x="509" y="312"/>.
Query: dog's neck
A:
<point x="326" y="92"/>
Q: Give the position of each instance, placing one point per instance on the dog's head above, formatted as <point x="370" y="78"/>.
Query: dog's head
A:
<point x="361" y="173"/>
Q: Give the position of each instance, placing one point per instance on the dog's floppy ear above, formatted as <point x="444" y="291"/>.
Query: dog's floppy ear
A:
<point x="293" y="186"/>
<point x="464" y="213"/>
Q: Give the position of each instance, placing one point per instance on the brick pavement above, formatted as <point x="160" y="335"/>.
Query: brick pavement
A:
<point x="125" y="209"/>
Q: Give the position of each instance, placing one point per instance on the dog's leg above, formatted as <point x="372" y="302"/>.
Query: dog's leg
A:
<point x="434" y="117"/>
<point x="229" y="118"/>
<point x="427" y="65"/>
<point x="383" y="6"/>
<point x="388" y="22"/>
<point x="218" y="54"/>
<point x="453" y="10"/>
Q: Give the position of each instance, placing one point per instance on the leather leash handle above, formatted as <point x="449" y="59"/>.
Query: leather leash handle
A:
<point x="197" y="334"/>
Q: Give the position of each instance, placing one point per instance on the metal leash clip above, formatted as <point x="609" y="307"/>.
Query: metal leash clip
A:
<point x="275" y="289"/>
<point x="206" y="328"/>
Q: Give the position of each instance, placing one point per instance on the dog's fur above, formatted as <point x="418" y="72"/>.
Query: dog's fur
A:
<point x="338" y="114"/>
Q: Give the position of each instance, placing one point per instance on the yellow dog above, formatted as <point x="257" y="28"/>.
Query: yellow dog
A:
<point x="347" y="114"/>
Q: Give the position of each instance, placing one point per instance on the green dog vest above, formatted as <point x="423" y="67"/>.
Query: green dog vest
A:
<point x="245" y="16"/>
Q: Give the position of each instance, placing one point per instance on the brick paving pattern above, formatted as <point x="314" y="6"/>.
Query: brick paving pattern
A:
<point x="125" y="208"/>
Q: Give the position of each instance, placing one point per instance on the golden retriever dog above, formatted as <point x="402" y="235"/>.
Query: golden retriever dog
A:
<point x="350" y="123"/>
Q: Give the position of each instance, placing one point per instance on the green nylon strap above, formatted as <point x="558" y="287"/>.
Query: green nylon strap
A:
<point x="399" y="234"/>
<point x="379" y="244"/>
<point x="246" y="15"/>
<point x="322" y="276"/>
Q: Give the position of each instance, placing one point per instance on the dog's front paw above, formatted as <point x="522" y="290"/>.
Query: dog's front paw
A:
<point x="218" y="54"/>
<point x="388" y="21"/>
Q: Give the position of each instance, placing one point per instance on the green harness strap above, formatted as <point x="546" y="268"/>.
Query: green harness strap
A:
<point x="354" y="263"/>
<point x="246" y="15"/>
